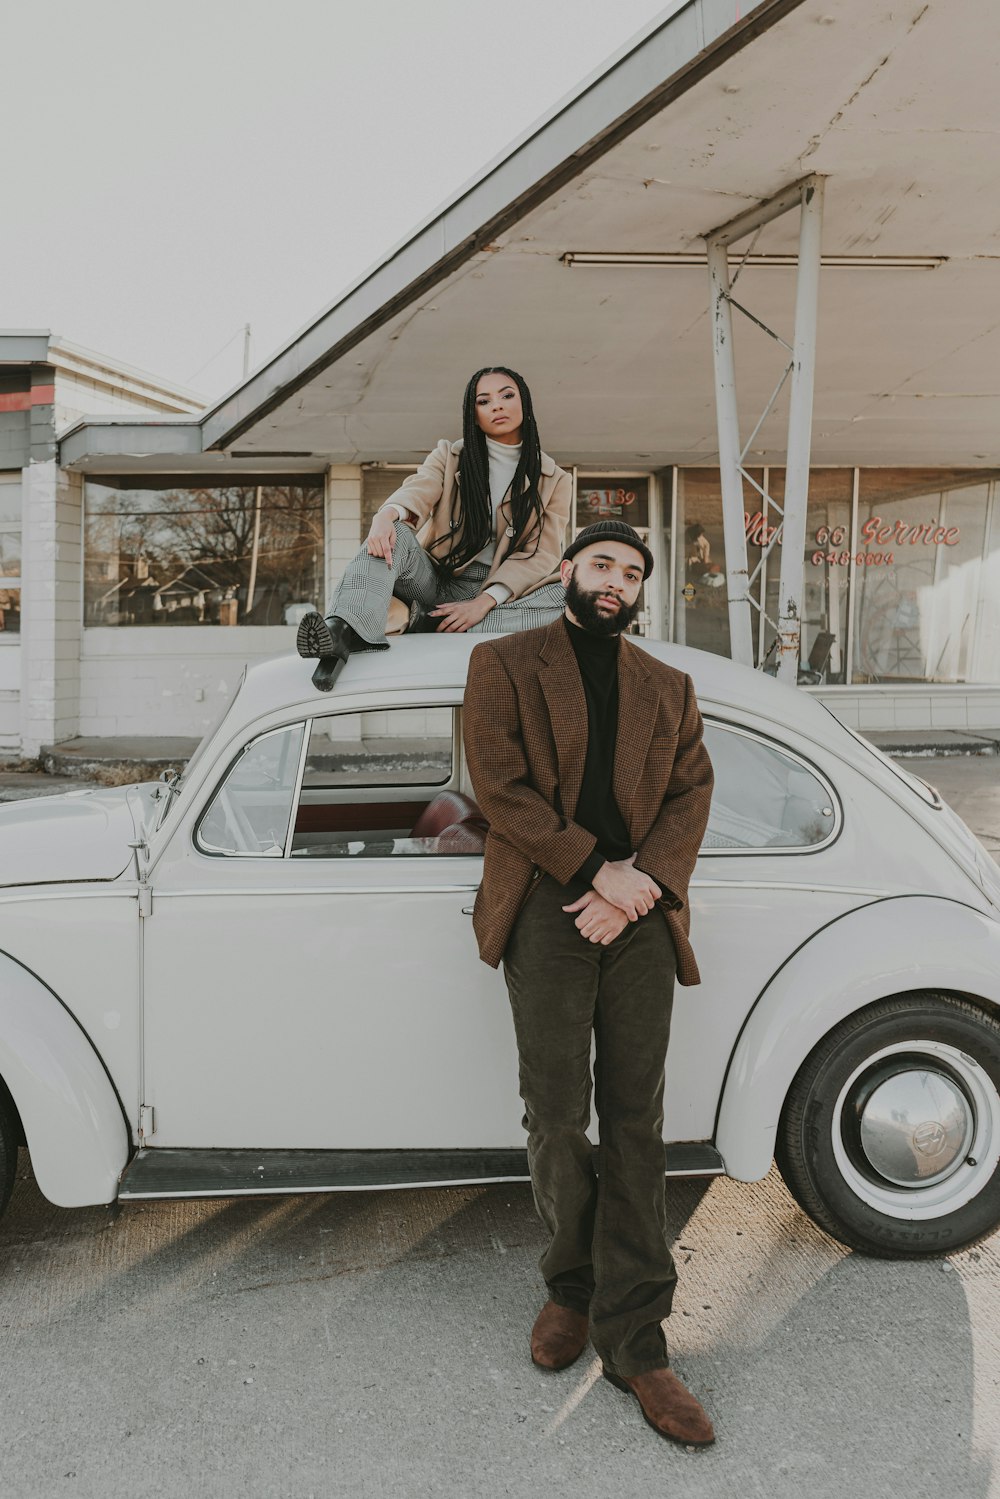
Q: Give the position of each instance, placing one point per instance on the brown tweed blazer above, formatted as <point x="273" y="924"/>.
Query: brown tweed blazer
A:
<point x="526" y="740"/>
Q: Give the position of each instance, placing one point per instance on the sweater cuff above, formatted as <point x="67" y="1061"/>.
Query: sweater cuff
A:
<point x="499" y="591"/>
<point x="667" y="897"/>
<point x="401" y="511"/>
<point x="590" y="867"/>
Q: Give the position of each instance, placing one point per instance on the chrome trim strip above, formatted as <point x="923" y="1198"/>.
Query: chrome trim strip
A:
<point x="295" y="1191"/>
<point x="56" y="892"/>
<point x="405" y="1186"/>
<point x="321" y="890"/>
<point x="814" y="886"/>
<point x="293" y="805"/>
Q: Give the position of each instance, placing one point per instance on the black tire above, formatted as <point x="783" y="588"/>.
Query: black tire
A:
<point x="828" y="1161"/>
<point x="10" y="1136"/>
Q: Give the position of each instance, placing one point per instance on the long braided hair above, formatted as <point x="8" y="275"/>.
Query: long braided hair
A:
<point x="474" y="515"/>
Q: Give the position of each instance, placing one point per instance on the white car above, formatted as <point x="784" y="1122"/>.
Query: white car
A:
<point x="263" y="978"/>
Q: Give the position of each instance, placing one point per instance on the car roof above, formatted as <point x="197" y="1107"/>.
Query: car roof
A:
<point x="441" y="661"/>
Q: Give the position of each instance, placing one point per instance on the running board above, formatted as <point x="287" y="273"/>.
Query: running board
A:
<point x="232" y="1173"/>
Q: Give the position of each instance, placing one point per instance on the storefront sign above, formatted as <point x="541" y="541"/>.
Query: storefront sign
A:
<point x="874" y="532"/>
<point x="605" y="502"/>
<point x="877" y="531"/>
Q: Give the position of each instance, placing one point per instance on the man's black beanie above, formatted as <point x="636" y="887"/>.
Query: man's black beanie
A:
<point x="610" y="530"/>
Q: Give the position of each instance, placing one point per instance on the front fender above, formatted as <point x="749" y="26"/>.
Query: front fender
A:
<point x="890" y="947"/>
<point x="72" y="1117"/>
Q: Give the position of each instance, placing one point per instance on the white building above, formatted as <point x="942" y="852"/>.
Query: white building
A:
<point x="579" y="259"/>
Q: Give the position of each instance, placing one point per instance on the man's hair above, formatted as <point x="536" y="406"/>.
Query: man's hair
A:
<point x="474" y="514"/>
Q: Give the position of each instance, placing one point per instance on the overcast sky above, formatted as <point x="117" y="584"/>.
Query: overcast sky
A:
<point x="174" y="171"/>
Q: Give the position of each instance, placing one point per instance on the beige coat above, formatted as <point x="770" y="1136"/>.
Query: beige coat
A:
<point x="525" y="722"/>
<point x="431" y="495"/>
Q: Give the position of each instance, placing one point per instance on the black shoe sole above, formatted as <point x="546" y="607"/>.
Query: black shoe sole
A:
<point x="667" y="1436"/>
<point x="313" y="637"/>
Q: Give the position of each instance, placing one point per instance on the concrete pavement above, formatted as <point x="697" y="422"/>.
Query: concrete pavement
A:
<point x="375" y="1344"/>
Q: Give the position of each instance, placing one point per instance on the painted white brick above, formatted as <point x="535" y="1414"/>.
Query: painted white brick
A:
<point x="345" y="489"/>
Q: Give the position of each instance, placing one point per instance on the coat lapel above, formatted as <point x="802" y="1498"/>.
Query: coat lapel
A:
<point x="562" y="687"/>
<point x="636" y="718"/>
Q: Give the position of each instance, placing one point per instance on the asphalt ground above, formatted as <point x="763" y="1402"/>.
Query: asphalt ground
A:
<point x="376" y="1344"/>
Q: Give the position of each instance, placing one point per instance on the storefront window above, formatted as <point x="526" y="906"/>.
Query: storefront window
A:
<point x="10" y="555"/>
<point x="701" y="600"/>
<point x="202" y="553"/>
<point x="926" y="574"/>
<point x="618" y="497"/>
<point x="823" y="655"/>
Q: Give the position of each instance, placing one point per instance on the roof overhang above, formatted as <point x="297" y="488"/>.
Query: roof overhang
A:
<point x="578" y="256"/>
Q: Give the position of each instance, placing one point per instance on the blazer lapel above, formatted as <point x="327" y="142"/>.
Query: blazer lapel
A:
<point x="636" y="717"/>
<point x="562" y="687"/>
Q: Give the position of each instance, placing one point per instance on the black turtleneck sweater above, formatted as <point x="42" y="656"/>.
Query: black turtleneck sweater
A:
<point x="596" y="808"/>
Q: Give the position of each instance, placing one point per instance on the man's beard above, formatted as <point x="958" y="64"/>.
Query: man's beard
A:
<point x="582" y="604"/>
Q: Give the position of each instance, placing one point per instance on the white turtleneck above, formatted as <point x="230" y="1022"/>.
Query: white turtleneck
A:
<point x="503" y="460"/>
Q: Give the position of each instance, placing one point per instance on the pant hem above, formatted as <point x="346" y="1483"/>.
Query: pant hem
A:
<point x="570" y="1305"/>
<point x="630" y="1370"/>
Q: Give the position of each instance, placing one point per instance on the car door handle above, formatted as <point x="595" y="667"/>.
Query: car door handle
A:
<point x="467" y="910"/>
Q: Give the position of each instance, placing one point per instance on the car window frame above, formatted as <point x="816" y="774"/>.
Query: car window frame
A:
<point x="234" y="759"/>
<point x="769" y="741"/>
<point x="370" y="793"/>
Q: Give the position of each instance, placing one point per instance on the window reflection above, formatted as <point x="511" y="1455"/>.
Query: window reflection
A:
<point x="202" y="553"/>
<point x="762" y="798"/>
<point x="927" y="549"/>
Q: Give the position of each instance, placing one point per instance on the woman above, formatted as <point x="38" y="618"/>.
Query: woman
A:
<point x="490" y="511"/>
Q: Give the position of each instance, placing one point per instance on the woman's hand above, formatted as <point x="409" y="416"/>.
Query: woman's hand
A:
<point x="598" y="920"/>
<point x="462" y="616"/>
<point x="382" y="536"/>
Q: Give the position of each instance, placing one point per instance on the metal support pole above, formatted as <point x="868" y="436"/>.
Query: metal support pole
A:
<point x="730" y="464"/>
<point x="791" y="586"/>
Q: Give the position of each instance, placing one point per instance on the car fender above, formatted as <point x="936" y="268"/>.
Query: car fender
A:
<point x="890" y="947"/>
<point x="72" y="1117"/>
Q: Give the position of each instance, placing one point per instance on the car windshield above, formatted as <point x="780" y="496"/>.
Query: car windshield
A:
<point x="925" y="792"/>
<point x="172" y="789"/>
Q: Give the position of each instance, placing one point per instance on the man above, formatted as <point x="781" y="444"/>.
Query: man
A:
<point x="587" y="758"/>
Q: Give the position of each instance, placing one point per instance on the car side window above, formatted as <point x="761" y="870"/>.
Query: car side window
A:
<point x="765" y="798"/>
<point x="250" y="813"/>
<point x="384" y="785"/>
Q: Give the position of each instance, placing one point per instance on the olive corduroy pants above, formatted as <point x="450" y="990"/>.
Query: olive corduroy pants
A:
<point x="608" y="1252"/>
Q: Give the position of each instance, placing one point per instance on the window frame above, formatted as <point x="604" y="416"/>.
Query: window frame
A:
<point x="231" y="764"/>
<point x="14" y="583"/>
<point x="362" y="794"/>
<point x="781" y="747"/>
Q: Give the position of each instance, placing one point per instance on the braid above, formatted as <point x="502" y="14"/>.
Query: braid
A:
<point x="474" y="513"/>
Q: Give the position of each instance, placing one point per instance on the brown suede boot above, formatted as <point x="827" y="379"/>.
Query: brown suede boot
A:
<point x="558" y="1337"/>
<point x="667" y="1406"/>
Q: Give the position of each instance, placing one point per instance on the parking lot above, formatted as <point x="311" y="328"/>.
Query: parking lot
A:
<point x="375" y="1344"/>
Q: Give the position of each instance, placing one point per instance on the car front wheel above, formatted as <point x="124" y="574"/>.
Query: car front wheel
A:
<point x="890" y="1135"/>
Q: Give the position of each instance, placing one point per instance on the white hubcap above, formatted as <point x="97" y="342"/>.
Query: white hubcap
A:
<point x="916" y="1130"/>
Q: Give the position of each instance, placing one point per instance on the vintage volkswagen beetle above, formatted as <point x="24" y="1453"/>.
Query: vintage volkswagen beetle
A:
<point x="262" y="978"/>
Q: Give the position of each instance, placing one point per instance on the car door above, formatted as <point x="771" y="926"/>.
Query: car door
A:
<point x="311" y="979"/>
<point x="777" y="864"/>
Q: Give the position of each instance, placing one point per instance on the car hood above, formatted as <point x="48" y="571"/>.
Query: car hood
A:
<point x="80" y="835"/>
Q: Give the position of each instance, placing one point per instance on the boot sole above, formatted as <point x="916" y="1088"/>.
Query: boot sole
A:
<point x="556" y="1368"/>
<point x="667" y="1436"/>
<point x="313" y="637"/>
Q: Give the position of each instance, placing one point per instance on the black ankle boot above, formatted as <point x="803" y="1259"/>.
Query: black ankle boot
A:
<point x="326" y="637"/>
